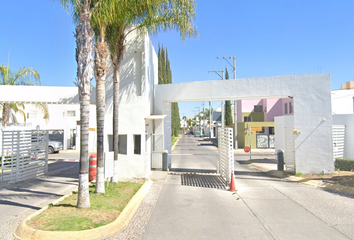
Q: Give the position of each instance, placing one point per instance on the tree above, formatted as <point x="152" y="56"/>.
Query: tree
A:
<point x="143" y="15"/>
<point x="100" y="19"/>
<point x="84" y="34"/>
<point x="228" y="115"/>
<point x="22" y="76"/>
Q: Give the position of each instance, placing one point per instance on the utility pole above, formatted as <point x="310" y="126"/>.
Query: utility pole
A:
<point x="222" y="102"/>
<point x="235" y="102"/>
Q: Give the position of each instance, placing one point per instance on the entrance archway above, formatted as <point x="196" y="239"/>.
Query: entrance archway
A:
<point x="312" y="107"/>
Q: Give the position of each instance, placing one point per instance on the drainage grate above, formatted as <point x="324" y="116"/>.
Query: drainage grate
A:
<point x="207" y="181"/>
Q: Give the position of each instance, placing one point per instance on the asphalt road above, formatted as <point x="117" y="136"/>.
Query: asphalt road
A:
<point x="19" y="200"/>
<point x="191" y="206"/>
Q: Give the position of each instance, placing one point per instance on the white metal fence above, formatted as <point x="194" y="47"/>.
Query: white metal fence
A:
<point x="338" y="133"/>
<point x="24" y="154"/>
<point x="226" y="153"/>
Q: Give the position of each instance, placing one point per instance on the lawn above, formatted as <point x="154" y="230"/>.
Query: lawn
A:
<point x="105" y="208"/>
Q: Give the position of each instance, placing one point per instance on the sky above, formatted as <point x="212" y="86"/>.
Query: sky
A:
<point x="268" y="38"/>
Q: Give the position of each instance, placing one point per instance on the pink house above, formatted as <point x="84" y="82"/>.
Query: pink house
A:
<point x="269" y="107"/>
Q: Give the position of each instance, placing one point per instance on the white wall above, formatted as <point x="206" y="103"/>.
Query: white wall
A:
<point x="312" y="103"/>
<point x="342" y="101"/>
<point x="348" y="121"/>
<point x="138" y="74"/>
<point x="280" y="123"/>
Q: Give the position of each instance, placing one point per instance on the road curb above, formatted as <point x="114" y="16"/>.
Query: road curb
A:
<point x="315" y="183"/>
<point x="25" y="232"/>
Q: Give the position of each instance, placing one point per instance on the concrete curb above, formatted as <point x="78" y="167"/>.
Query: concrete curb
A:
<point x="315" y="183"/>
<point x="25" y="232"/>
<point x="173" y="147"/>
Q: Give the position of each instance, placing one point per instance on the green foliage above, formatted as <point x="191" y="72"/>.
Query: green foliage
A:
<point x="165" y="77"/>
<point x="228" y="114"/>
<point x="299" y="174"/>
<point x="344" y="164"/>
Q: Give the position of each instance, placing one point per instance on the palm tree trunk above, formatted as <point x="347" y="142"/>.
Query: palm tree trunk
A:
<point x="84" y="58"/>
<point x="116" y="79"/>
<point x="5" y="114"/>
<point x="101" y="54"/>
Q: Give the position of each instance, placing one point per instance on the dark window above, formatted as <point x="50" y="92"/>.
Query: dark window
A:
<point x="258" y="108"/>
<point x="137" y="144"/>
<point x="286" y="108"/>
<point x="122" y="144"/>
<point x="271" y="130"/>
<point x="290" y="107"/>
<point x="247" y="119"/>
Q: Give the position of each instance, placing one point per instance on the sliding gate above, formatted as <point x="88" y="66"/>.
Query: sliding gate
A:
<point x="24" y="155"/>
<point x="226" y="153"/>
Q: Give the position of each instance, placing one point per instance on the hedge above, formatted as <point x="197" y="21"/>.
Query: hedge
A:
<point x="344" y="164"/>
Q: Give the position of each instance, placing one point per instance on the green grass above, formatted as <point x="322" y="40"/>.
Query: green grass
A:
<point x="174" y="139"/>
<point x="105" y="208"/>
<point x="299" y="174"/>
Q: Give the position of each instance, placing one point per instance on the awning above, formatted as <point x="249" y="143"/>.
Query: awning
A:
<point x="155" y="117"/>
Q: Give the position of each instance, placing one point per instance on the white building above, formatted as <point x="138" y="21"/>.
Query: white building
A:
<point x="145" y="109"/>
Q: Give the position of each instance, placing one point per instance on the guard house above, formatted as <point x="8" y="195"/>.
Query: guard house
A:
<point x="145" y="110"/>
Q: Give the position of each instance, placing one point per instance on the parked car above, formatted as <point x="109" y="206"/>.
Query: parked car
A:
<point x="198" y="134"/>
<point x="54" y="146"/>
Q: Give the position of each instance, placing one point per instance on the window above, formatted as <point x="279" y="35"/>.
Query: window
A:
<point x="122" y="144"/>
<point x="71" y="113"/>
<point x="137" y="144"/>
<point x="286" y="108"/>
<point x="258" y="108"/>
<point x="247" y="119"/>
<point x="290" y="107"/>
<point x="271" y="130"/>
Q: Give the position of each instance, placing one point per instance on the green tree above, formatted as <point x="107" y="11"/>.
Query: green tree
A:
<point x="143" y="15"/>
<point x="22" y="76"/>
<point x="228" y="114"/>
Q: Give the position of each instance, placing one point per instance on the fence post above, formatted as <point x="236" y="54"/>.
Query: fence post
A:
<point x="17" y="156"/>
<point x="46" y="151"/>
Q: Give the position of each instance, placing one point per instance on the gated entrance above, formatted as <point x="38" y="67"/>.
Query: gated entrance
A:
<point x="226" y="153"/>
<point x="338" y="141"/>
<point x="22" y="155"/>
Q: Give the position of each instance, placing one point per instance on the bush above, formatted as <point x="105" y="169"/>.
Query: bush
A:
<point x="344" y="164"/>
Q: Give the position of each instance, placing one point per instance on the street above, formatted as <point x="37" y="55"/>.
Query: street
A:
<point x="263" y="208"/>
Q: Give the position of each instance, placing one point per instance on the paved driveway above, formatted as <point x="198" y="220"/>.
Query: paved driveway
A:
<point x="263" y="208"/>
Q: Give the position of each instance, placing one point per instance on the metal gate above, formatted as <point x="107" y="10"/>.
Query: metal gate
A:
<point x="338" y="134"/>
<point x="22" y="155"/>
<point x="289" y="154"/>
<point x="265" y="140"/>
<point x="226" y="153"/>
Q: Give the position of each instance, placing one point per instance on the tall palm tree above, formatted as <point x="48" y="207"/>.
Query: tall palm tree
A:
<point x="99" y="21"/>
<point x="143" y="15"/>
<point x="22" y="76"/>
<point x="84" y="34"/>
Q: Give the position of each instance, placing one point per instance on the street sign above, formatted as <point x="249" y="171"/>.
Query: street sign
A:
<point x="258" y="129"/>
<point x="246" y="149"/>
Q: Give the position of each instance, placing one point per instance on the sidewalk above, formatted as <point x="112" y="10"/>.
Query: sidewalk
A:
<point x="21" y="199"/>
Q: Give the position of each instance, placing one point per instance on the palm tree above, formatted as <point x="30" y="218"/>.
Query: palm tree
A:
<point x="143" y="15"/>
<point x="22" y="76"/>
<point x="99" y="21"/>
<point x="84" y="34"/>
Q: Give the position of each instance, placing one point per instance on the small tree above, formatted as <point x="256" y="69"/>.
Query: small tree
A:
<point x="228" y="115"/>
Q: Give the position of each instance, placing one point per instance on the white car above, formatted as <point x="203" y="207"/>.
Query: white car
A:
<point x="54" y="147"/>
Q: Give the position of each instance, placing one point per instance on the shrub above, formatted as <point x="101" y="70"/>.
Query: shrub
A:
<point x="344" y="164"/>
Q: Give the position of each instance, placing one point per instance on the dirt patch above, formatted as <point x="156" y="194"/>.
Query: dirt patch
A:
<point x="344" y="178"/>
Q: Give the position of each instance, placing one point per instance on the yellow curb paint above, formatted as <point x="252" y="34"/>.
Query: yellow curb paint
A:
<point x="24" y="232"/>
